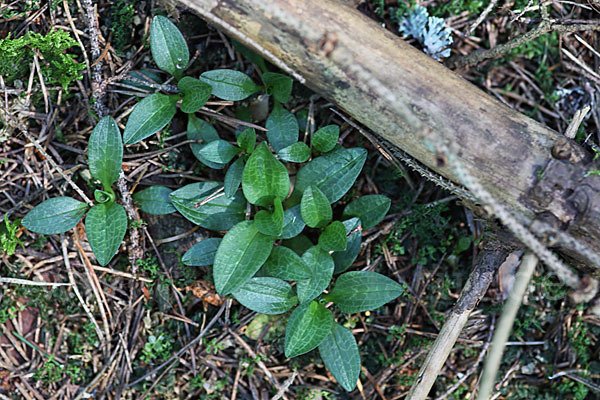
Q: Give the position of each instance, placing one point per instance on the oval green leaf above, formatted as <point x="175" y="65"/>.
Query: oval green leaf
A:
<point x="321" y="266"/>
<point x="284" y="263"/>
<point x="198" y="129"/>
<point x="169" y="50"/>
<point x="200" y="203"/>
<point x="278" y="85"/>
<point x="283" y="128"/>
<point x="105" y="227"/>
<point x="339" y="352"/>
<point x="358" y="291"/>
<point x="148" y="117"/>
<point x="334" y="173"/>
<point x="370" y="209"/>
<point x="297" y="152"/>
<point x="155" y="200"/>
<point x="202" y="253"/>
<point x="292" y="223"/>
<point x="247" y="140"/>
<point x="195" y="94"/>
<point x="105" y="151"/>
<point x="270" y="223"/>
<point x="315" y="208"/>
<point x="233" y="177"/>
<point x="264" y="177"/>
<point x="266" y="295"/>
<point x="228" y="84"/>
<point x="219" y="151"/>
<point x="241" y="253"/>
<point x="333" y="237"/>
<point x="325" y="138"/>
<point x="344" y="259"/>
<point x="307" y="327"/>
<point x="56" y="215"/>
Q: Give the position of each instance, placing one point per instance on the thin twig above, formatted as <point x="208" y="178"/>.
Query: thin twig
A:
<point x="76" y="290"/>
<point x="504" y="326"/>
<point x="183" y="349"/>
<point x="50" y="159"/>
<point x="32" y="283"/>
<point x="473" y="291"/>
<point x="543" y="28"/>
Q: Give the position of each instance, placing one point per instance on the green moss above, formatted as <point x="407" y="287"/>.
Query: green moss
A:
<point x="57" y="66"/>
<point x="449" y="8"/>
<point x="120" y="22"/>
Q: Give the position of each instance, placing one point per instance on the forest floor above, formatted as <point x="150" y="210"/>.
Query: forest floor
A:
<point x="49" y="348"/>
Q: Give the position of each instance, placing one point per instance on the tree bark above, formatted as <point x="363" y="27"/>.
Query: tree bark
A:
<point x="420" y="106"/>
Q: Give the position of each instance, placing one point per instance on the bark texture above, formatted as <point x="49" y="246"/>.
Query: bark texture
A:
<point x="420" y="106"/>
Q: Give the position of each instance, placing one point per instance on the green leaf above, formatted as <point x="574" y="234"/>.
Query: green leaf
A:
<point x="344" y="259"/>
<point x="266" y="295"/>
<point x="307" y="327"/>
<point x="233" y="177"/>
<point x="219" y="151"/>
<point x="321" y="265"/>
<point x="230" y="85"/>
<point x="253" y="57"/>
<point x="264" y="178"/>
<point x="241" y="253"/>
<point x="280" y="86"/>
<point x="102" y="196"/>
<point x="370" y="209"/>
<point x="325" y="138"/>
<point x="198" y="129"/>
<point x="283" y="128"/>
<point x="333" y="237"/>
<point x="202" y="253"/>
<point x="200" y="203"/>
<point x="105" y="151"/>
<point x="169" y="50"/>
<point x="339" y="352"/>
<point x="148" y="117"/>
<point x="284" y="263"/>
<point x="334" y="173"/>
<point x="315" y="208"/>
<point x="105" y="227"/>
<point x="292" y="223"/>
<point x="358" y="291"/>
<point x="270" y="223"/>
<point x="155" y="200"/>
<point x="297" y="152"/>
<point x="247" y="140"/>
<point x="56" y="215"/>
<point x="195" y="94"/>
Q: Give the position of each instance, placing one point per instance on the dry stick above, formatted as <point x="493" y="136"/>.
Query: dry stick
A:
<point x="473" y="291"/>
<point x="32" y="283"/>
<point x="55" y="166"/>
<point x="473" y="368"/>
<point x="96" y="288"/>
<point x="260" y="364"/>
<point x="76" y="290"/>
<point x="544" y="27"/>
<point x="183" y="349"/>
<point x="571" y="131"/>
<point x="480" y="19"/>
<point x="504" y="326"/>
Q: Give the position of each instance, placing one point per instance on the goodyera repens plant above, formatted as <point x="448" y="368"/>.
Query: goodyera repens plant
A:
<point x="258" y="256"/>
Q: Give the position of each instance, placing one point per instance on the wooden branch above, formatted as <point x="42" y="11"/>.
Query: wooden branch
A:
<point x="420" y="106"/>
<point x="486" y="266"/>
